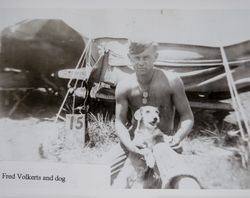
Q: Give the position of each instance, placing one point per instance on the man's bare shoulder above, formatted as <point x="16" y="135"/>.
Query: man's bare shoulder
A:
<point x="173" y="78"/>
<point x="170" y="75"/>
<point x="126" y="84"/>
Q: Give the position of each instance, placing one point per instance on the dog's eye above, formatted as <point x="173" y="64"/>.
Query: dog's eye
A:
<point x="157" y="112"/>
<point x="147" y="111"/>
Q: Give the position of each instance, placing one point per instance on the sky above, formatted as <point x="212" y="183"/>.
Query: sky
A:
<point x="213" y="27"/>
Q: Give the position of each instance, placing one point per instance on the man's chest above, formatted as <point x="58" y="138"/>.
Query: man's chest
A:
<point x="158" y="94"/>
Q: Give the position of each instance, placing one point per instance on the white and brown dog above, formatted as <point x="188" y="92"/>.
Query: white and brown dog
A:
<point x="136" y="165"/>
<point x="146" y="135"/>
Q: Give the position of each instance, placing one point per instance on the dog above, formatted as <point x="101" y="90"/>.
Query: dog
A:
<point x="146" y="135"/>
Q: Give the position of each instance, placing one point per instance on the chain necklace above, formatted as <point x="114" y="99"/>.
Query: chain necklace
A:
<point x="145" y="90"/>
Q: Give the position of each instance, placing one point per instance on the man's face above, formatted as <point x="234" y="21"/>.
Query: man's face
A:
<point x="144" y="61"/>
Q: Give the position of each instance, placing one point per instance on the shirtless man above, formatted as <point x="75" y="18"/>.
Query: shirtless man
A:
<point x="154" y="87"/>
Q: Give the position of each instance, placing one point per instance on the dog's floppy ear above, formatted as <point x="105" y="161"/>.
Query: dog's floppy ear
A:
<point x="137" y="115"/>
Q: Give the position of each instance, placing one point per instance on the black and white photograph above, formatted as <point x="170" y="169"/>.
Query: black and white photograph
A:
<point x="161" y="97"/>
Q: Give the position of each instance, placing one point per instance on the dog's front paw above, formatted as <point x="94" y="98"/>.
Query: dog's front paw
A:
<point x="149" y="158"/>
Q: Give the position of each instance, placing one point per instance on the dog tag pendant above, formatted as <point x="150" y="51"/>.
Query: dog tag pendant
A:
<point x="144" y="100"/>
<point x="145" y="94"/>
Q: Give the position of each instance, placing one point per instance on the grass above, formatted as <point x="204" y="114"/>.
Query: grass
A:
<point x="101" y="130"/>
<point x="69" y="146"/>
<point x="102" y="133"/>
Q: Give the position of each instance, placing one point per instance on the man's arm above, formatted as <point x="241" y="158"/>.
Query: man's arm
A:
<point x="183" y="108"/>
<point x="121" y="117"/>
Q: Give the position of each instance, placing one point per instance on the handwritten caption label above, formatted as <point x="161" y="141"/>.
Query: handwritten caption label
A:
<point x="27" y="176"/>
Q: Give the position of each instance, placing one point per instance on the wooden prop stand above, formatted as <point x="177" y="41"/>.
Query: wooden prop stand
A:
<point x="76" y="123"/>
<point x="235" y="98"/>
<point x="239" y="110"/>
<point x="71" y="79"/>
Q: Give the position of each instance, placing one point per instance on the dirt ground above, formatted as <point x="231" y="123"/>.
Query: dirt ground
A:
<point x="38" y="138"/>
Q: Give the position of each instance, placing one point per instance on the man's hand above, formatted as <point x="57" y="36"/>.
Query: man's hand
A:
<point x="174" y="142"/>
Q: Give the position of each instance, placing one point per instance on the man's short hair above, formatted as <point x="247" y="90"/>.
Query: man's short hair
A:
<point x="137" y="47"/>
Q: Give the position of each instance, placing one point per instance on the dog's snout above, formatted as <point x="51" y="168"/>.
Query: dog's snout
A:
<point x="155" y="119"/>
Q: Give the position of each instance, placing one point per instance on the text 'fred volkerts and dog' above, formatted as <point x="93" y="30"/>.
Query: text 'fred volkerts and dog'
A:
<point x="26" y="176"/>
